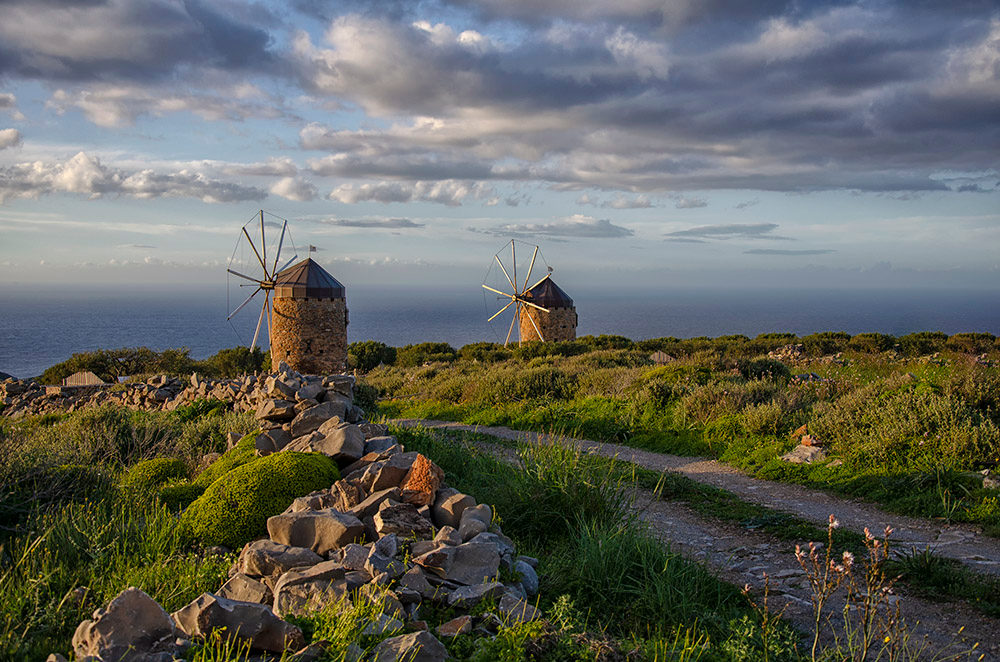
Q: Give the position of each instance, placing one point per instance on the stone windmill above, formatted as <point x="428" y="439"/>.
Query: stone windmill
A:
<point x="541" y="309"/>
<point x="307" y="319"/>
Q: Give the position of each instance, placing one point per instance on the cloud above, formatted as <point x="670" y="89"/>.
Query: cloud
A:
<point x="747" y="203"/>
<point x="449" y="192"/>
<point x="86" y="175"/>
<point x="620" y="201"/>
<point x="9" y="138"/>
<point x="120" y="105"/>
<point x="145" y="246"/>
<point x="684" y="202"/>
<point x="779" y="251"/>
<point x="273" y="167"/>
<point x="374" y="223"/>
<point x="294" y="188"/>
<point x="798" y="98"/>
<point x="731" y="231"/>
<point x="576" y="226"/>
<point x="8" y="102"/>
<point x="126" y="40"/>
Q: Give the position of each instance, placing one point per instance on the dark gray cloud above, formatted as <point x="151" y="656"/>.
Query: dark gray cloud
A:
<point x="374" y="223"/>
<point x="790" y="252"/>
<point x="575" y="227"/>
<point x="640" y="97"/>
<point x="730" y="231"/>
<point x="125" y="40"/>
<point x="801" y="97"/>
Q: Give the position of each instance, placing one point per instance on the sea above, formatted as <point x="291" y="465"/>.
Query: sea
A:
<point x="41" y="326"/>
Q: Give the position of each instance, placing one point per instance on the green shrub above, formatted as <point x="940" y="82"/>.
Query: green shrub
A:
<point x="144" y="476"/>
<point x="367" y="355"/>
<point x="485" y="352"/>
<point x="244" y="451"/>
<point x="177" y="496"/>
<point x="922" y="343"/>
<point x="533" y="350"/>
<point x="872" y="343"/>
<point x="605" y="341"/>
<point x="366" y="397"/>
<point x="827" y="342"/>
<point x="425" y="352"/>
<point x="764" y="369"/>
<point x="234" y="509"/>
<point x="766" y="418"/>
<point x="234" y="362"/>
<point x="971" y="343"/>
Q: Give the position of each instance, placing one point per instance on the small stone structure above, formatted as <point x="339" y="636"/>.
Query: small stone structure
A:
<point x="557" y="324"/>
<point x="309" y="320"/>
<point x="83" y="378"/>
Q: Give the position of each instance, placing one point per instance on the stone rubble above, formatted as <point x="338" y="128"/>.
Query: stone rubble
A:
<point x="389" y="532"/>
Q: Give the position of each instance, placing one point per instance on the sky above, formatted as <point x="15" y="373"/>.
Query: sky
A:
<point x="667" y="143"/>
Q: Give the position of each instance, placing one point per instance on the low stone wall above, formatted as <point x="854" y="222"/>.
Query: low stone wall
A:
<point x="28" y="398"/>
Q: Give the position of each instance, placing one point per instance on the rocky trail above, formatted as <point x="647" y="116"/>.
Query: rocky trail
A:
<point x="742" y="556"/>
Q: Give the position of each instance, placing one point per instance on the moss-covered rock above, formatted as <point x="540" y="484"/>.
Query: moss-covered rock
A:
<point x="234" y="509"/>
<point x="149" y="474"/>
<point x="236" y="456"/>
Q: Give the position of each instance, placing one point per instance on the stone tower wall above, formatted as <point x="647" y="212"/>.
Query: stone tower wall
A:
<point x="310" y="335"/>
<point x="557" y="324"/>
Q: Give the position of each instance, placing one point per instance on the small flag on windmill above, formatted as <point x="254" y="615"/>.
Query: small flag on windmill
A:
<point x="312" y="249"/>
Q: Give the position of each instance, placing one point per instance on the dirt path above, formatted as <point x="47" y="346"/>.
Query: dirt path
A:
<point x="962" y="542"/>
<point x="740" y="556"/>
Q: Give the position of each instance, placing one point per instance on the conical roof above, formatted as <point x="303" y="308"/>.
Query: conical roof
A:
<point x="307" y="279"/>
<point x="548" y="295"/>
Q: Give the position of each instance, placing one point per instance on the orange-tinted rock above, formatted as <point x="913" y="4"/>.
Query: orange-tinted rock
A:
<point x="422" y="482"/>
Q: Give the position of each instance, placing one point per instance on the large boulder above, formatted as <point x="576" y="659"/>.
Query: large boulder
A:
<point x="469" y="563"/>
<point x="414" y="647"/>
<point x="319" y="530"/>
<point x="300" y="591"/>
<point x="132" y="628"/>
<point x="243" y="588"/>
<point x="275" y="410"/>
<point x="449" y="506"/>
<point x="344" y="442"/>
<point x="401" y="519"/>
<point x="265" y="558"/>
<point x="311" y="419"/>
<point x="240" y="621"/>
<point x="387" y="473"/>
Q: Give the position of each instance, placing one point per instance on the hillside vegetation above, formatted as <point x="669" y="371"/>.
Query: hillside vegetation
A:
<point x="909" y="422"/>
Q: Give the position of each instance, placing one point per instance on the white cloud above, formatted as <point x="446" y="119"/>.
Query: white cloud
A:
<point x="9" y="138"/>
<point x="86" y="175"/>
<point x="294" y="188"/>
<point x="448" y="192"/>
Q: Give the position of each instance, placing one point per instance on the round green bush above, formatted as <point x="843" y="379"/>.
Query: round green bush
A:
<point x="148" y="474"/>
<point x="244" y="451"/>
<point x="234" y="509"/>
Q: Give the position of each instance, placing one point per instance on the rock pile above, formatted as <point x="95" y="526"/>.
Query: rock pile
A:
<point x="26" y="397"/>
<point x="390" y="533"/>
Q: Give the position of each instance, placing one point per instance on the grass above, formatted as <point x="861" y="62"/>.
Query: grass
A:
<point x="910" y="433"/>
<point x="71" y="538"/>
<point x="570" y="511"/>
